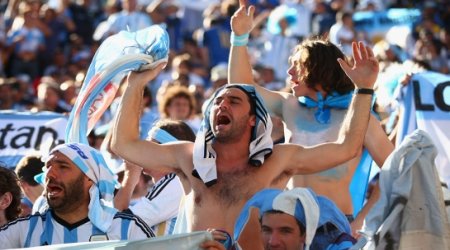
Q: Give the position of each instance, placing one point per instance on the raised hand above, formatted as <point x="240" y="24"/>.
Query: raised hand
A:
<point x="365" y="68"/>
<point x="242" y="20"/>
<point x="142" y="78"/>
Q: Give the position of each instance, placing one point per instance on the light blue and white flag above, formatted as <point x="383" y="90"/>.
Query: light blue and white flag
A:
<point x="117" y="55"/>
<point x="425" y="105"/>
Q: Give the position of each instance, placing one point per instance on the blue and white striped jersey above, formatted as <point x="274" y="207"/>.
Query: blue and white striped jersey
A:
<point x="48" y="229"/>
<point x="159" y="208"/>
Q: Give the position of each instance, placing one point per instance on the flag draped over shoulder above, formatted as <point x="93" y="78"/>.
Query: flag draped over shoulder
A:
<point x="116" y="56"/>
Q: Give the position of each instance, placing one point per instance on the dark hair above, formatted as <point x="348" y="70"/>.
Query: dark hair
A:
<point x="28" y="167"/>
<point x="9" y="183"/>
<point x="319" y="58"/>
<point x="177" y="129"/>
<point x="300" y="224"/>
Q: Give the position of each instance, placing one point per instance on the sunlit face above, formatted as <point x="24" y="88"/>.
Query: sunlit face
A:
<point x="230" y="115"/>
<point x="66" y="187"/>
<point x="179" y="108"/>
<point x="281" y="231"/>
<point x="295" y="71"/>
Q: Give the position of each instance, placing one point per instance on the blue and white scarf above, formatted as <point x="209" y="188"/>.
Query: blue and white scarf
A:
<point x="333" y="100"/>
<point x="261" y="143"/>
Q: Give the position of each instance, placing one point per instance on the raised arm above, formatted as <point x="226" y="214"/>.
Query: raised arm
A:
<point x="240" y="68"/>
<point x="324" y="156"/>
<point x="377" y="142"/>
<point x="125" y="139"/>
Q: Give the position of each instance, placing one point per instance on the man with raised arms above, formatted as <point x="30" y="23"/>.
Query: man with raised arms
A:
<point x="233" y="117"/>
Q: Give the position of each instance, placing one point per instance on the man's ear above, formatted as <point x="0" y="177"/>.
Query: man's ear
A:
<point x="252" y="120"/>
<point x="5" y="200"/>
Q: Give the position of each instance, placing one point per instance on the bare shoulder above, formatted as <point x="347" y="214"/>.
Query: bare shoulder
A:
<point x="283" y="154"/>
<point x="181" y="154"/>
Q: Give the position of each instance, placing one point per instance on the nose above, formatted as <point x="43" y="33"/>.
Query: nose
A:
<point x="223" y="105"/>
<point x="291" y="70"/>
<point x="274" y="239"/>
<point x="51" y="172"/>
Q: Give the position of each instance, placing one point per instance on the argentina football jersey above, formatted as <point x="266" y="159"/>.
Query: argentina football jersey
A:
<point x="48" y="229"/>
<point x="159" y="208"/>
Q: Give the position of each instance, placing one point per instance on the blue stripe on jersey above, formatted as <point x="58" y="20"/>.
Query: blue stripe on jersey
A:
<point x="47" y="234"/>
<point x="70" y="236"/>
<point x="33" y="222"/>
<point x="96" y="231"/>
<point x="172" y="225"/>
<point x="124" y="229"/>
<point x="138" y="221"/>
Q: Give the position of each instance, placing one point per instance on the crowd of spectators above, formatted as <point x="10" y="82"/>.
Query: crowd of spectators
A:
<point x="46" y="45"/>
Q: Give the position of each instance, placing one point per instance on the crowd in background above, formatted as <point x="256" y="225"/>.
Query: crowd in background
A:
<point x="46" y="47"/>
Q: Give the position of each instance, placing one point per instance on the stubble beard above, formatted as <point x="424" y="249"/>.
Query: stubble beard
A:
<point x="72" y="196"/>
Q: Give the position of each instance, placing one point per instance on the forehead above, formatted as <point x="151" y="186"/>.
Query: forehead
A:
<point x="232" y="92"/>
<point x="299" y="56"/>
<point x="276" y="220"/>
<point x="58" y="157"/>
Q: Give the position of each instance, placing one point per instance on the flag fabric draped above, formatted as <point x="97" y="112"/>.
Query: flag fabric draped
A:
<point x="115" y="58"/>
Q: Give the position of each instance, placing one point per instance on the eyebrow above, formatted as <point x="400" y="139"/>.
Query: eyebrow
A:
<point x="235" y="98"/>
<point x="232" y="97"/>
<point x="57" y="161"/>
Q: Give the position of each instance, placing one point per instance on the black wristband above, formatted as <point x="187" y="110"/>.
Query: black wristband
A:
<point x="364" y="91"/>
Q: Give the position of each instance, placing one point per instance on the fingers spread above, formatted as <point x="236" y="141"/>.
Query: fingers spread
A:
<point x="363" y="51"/>
<point x="355" y="50"/>
<point x="251" y="11"/>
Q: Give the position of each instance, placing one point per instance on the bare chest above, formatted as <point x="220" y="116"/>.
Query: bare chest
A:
<point x="232" y="189"/>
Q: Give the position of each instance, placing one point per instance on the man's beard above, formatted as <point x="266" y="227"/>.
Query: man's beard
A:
<point x="72" y="196"/>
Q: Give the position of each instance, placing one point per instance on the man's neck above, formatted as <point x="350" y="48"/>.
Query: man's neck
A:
<point x="3" y="219"/>
<point x="231" y="153"/>
<point x="73" y="215"/>
<point x="313" y="93"/>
